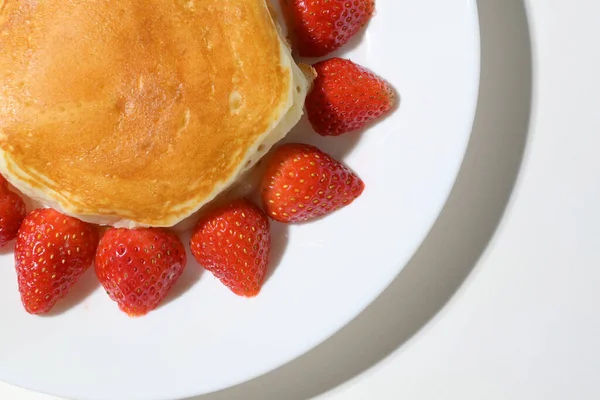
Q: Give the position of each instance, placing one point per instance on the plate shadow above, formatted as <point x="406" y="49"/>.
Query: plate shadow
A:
<point x="458" y="238"/>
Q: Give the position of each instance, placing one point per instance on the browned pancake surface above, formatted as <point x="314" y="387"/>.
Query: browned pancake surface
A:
<point x="135" y="109"/>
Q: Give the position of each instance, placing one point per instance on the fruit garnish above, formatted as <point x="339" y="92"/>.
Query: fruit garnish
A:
<point x="345" y="97"/>
<point x="302" y="183"/>
<point x="51" y="253"/>
<point x="233" y="242"/>
<point x="12" y="213"/>
<point x="138" y="267"/>
<point x="322" y="26"/>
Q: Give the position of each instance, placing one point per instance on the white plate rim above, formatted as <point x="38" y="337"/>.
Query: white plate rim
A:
<point x="350" y="314"/>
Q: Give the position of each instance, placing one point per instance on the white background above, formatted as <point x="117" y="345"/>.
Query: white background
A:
<point x="525" y="323"/>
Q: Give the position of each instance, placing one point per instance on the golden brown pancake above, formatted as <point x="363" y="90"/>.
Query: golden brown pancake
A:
<point x="139" y="112"/>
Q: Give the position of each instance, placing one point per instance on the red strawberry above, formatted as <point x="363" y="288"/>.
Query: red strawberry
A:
<point x="322" y="26"/>
<point x="345" y="97"/>
<point x="12" y="212"/>
<point x="51" y="253"/>
<point x="302" y="183"/>
<point x="233" y="243"/>
<point x="138" y="267"/>
<point x="3" y="183"/>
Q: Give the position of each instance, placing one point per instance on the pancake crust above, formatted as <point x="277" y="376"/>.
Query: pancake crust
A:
<point x="138" y="112"/>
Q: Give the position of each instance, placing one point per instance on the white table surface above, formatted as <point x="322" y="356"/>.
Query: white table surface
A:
<point x="524" y="321"/>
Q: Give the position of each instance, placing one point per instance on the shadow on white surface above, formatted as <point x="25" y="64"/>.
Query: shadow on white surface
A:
<point x="457" y="240"/>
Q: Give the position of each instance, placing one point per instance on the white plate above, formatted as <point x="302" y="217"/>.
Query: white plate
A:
<point x="204" y="338"/>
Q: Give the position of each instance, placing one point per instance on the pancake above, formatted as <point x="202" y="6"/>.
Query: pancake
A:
<point x="139" y="112"/>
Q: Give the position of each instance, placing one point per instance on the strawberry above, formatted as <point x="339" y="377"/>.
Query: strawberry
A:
<point x="345" y="97"/>
<point x="322" y="26"/>
<point x="51" y="253"/>
<point x="12" y="212"/>
<point x="302" y="183"/>
<point x="138" y="267"/>
<point x="233" y="243"/>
